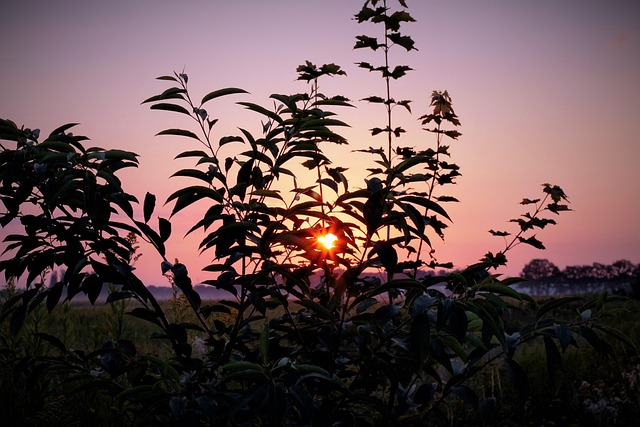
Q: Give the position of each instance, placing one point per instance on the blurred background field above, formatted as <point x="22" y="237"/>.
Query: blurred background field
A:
<point x="593" y="390"/>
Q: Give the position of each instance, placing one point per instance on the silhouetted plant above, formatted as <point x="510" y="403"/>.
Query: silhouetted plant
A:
<point x="304" y="335"/>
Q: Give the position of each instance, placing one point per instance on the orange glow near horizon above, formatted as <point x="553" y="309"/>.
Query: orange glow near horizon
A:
<point x="328" y="240"/>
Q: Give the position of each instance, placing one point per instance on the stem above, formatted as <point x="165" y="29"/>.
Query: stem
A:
<point x="515" y="241"/>
<point x="430" y="195"/>
<point x="388" y="100"/>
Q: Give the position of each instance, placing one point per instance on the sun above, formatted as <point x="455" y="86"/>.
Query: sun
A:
<point x="328" y="240"/>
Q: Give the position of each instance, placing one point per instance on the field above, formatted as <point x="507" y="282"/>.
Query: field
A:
<point x="593" y="390"/>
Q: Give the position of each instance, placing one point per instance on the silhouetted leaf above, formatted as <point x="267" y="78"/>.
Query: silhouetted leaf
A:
<point x="146" y="314"/>
<point x="366" y="41"/>
<point x="404" y="41"/>
<point x="194" y="173"/>
<point x="429" y="204"/>
<point x="171" y="93"/>
<point x="518" y="378"/>
<point x="55" y="341"/>
<point x="62" y="129"/>
<point x="53" y="296"/>
<point x="318" y="309"/>
<point x="164" y="228"/>
<point x="554" y="362"/>
<point x="170" y="107"/>
<point x="467" y="395"/>
<point x="554" y="304"/>
<point x="221" y="92"/>
<point x="419" y="334"/>
<point x="179" y="132"/>
<point x="388" y="257"/>
<point x="373" y="210"/>
<point x="149" y="206"/>
<point x="385" y="313"/>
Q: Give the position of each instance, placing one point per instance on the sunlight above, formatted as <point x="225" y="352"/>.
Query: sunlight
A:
<point x="328" y="240"/>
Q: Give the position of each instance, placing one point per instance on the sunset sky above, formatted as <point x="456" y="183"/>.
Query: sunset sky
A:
<point x="547" y="91"/>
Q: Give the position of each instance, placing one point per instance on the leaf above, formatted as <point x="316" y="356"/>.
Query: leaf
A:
<point x="499" y="289"/>
<point x="193" y="153"/>
<point x="410" y="162"/>
<point x="189" y="195"/>
<point x="385" y="313"/>
<point x="92" y="285"/>
<point x="222" y="92"/>
<point x="194" y="173"/>
<point x="554" y="304"/>
<point x="264" y="344"/>
<point x="318" y="309"/>
<point x="467" y="395"/>
<point x="267" y="193"/>
<point x="61" y="130"/>
<point x="388" y="257"/>
<point x="53" y="296"/>
<point x="366" y="41"/>
<point x="399" y="71"/>
<point x="374" y="99"/>
<point x="419" y="335"/>
<point x="17" y="319"/>
<point x="594" y="340"/>
<point x="55" y="341"/>
<point x="529" y="201"/>
<point x="518" y="378"/>
<point x="532" y="241"/>
<point x="169" y="78"/>
<point x="618" y="336"/>
<point x="427" y="203"/>
<point x="59" y="146"/>
<point x="372" y="211"/>
<point x="458" y="323"/>
<point x="171" y="93"/>
<point x="261" y="110"/>
<point x="170" y="107"/>
<point x="179" y="132"/>
<point x="563" y="333"/>
<point x="146" y="314"/>
<point x="404" y="41"/>
<point x="165" y="229"/>
<point x="366" y="304"/>
<point x="554" y="362"/>
<point x="149" y="206"/>
<point x="227" y="139"/>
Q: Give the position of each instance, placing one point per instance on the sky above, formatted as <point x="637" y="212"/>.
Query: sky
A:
<point x="546" y="91"/>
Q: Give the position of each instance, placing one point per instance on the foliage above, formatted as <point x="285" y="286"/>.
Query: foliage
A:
<point x="308" y="335"/>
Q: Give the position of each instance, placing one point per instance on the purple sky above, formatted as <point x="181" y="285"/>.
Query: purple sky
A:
<point x="547" y="91"/>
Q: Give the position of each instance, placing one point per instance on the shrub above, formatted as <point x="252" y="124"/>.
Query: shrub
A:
<point x="309" y="334"/>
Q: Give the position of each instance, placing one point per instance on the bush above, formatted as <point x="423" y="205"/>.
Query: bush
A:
<point x="357" y="332"/>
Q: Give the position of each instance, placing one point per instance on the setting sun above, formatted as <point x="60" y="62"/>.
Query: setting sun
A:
<point x="327" y="240"/>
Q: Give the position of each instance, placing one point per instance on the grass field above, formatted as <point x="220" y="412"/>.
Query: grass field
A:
<point x="592" y="390"/>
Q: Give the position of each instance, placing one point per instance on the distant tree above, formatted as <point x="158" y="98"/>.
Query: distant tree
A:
<point x="540" y="269"/>
<point x="576" y="272"/>
<point x="599" y="271"/>
<point x="622" y="269"/>
<point x="619" y="270"/>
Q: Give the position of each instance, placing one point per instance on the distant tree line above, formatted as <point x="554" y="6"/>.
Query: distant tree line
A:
<point x="543" y="276"/>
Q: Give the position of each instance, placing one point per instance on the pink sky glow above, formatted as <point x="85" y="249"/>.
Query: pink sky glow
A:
<point x="547" y="91"/>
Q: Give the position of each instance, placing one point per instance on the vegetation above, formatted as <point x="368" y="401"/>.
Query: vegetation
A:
<point x="545" y="278"/>
<point x="307" y="335"/>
